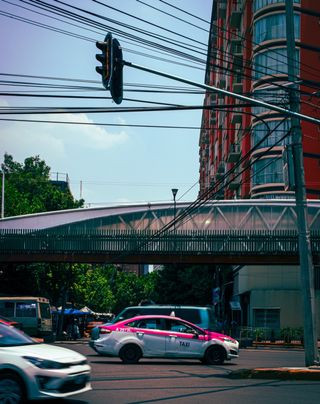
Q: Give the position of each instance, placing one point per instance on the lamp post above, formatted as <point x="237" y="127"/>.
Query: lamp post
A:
<point x="174" y="193"/>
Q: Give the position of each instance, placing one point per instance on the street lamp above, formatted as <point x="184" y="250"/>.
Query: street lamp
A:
<point x="174" y="193"/>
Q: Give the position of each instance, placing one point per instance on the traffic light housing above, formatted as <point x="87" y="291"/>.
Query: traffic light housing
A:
<point x="112" y="67"/>
<point x="116" y="85"/>
<point x="106" y="60"/>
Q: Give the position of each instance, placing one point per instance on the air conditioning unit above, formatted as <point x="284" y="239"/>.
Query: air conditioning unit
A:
<point x="234" y="153"/>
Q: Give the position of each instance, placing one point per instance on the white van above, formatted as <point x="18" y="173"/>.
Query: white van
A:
<point x="33" y="313"/>
<point x="202" y="316"/>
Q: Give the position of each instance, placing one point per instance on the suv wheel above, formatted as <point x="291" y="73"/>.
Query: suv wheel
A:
<point x="11" y="389"/>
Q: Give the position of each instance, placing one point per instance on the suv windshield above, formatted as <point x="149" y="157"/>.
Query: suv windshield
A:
<point x="10" y="336"/>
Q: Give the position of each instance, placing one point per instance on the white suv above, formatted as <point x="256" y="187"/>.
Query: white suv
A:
<point x="32" y="371"/>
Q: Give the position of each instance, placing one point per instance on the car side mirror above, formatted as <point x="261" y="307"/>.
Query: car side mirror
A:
<point x="195" y="335"/>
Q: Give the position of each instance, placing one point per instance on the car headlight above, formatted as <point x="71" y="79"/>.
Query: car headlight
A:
<point x="225" y="339"/>
<point x="45" y="363"/>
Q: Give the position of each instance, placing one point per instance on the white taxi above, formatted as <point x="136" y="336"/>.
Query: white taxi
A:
<point x="163" y="337"/>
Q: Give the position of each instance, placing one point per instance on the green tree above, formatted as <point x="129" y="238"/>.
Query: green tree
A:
<point x="28" y="188"/>
<point x="93" y="287"/>
<point x="130" y="289"/>
<point x="177" y="284"/>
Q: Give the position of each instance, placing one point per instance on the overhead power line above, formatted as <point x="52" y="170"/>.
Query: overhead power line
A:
<point x="69" y="16"/>
<point x="104" y="124"/>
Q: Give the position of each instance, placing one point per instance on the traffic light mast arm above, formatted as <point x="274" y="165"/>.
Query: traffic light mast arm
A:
<point x="286" y="112"/>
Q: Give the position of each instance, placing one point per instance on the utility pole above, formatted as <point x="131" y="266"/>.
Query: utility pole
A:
<point x="306" y="265"/>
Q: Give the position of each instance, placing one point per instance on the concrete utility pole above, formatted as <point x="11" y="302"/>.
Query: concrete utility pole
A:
<point x="306" y="265"/>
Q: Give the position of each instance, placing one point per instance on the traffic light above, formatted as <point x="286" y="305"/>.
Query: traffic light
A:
<point x="112" y="67"/>
<point x="106" y="60"/>
<point x="116" y="85"/>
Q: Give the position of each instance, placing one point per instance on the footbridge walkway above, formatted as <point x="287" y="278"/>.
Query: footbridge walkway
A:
<point x="225" y="232"/>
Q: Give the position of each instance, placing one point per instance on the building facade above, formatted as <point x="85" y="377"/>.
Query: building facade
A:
<point x="245" y="150"/>
<point x="242" y="146"/>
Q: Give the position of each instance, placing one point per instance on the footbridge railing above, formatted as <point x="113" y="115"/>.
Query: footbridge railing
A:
<point x="55" y="245"/>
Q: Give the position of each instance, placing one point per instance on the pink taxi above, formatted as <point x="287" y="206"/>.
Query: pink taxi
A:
<point x="163" y="337"/>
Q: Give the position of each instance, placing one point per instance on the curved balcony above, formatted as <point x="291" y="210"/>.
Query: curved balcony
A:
<point x="278" y="130"/>
<point x="270" y="29"/>
<point x="262" y="6"/>
<point x="271" y="63"/>
<point x="267" y="176"/>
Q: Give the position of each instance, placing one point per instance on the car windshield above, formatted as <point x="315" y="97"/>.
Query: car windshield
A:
<point x="10" y="336"/>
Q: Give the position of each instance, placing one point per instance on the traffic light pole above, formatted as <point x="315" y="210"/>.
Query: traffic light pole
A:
<point x="306" y="264"/>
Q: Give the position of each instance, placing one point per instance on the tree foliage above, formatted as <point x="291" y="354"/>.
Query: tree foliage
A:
<point x="93" y="287"/>
<point x="130" y="290"/>
<point x="28" y="188"/>
<point x="178" y="284"/>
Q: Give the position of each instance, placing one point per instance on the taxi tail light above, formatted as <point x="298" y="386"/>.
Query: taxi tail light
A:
<point x="105" y="331"/>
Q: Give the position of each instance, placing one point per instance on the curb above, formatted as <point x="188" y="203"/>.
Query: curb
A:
<point x="312" y="373"/>
<point x="73" y="342"/>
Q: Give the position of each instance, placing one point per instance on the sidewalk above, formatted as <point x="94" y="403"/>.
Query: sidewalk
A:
<point x="290" y="373"/>
<point x="77" y="341"/>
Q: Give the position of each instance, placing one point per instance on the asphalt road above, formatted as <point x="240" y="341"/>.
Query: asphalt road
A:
<point x="188" y="381"/>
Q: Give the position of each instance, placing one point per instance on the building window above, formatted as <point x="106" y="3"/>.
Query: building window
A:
<point x="274" y="27"/>
<point x="272" y="62"/>
<point x="257" y="4"/>
<point x="260" y="130"/>
<point x="266" y="318"/>
<point x="267" y="171"/>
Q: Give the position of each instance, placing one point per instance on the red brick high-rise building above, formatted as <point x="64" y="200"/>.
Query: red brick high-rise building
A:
<point x="247" y="54"/>
<point x="242" y="147"/>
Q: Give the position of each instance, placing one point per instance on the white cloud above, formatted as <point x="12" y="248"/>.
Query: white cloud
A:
<point x="56" y="140"/>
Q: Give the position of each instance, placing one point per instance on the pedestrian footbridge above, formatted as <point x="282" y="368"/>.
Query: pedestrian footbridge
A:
<point x="224" y="231"/>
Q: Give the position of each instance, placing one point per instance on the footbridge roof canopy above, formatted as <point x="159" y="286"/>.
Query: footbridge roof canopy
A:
<point x="247" y="214"/>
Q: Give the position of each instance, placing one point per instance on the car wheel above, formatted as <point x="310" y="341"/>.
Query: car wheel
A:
<point x="130" y="353"/>
<point x="11" y="389"/>
<point x="214" y="355"/>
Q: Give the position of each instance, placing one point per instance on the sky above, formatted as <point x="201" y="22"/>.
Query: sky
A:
<point x="106" y="165"/>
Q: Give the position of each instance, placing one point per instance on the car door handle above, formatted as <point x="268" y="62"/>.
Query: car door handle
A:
<point x="172" y="336"/>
